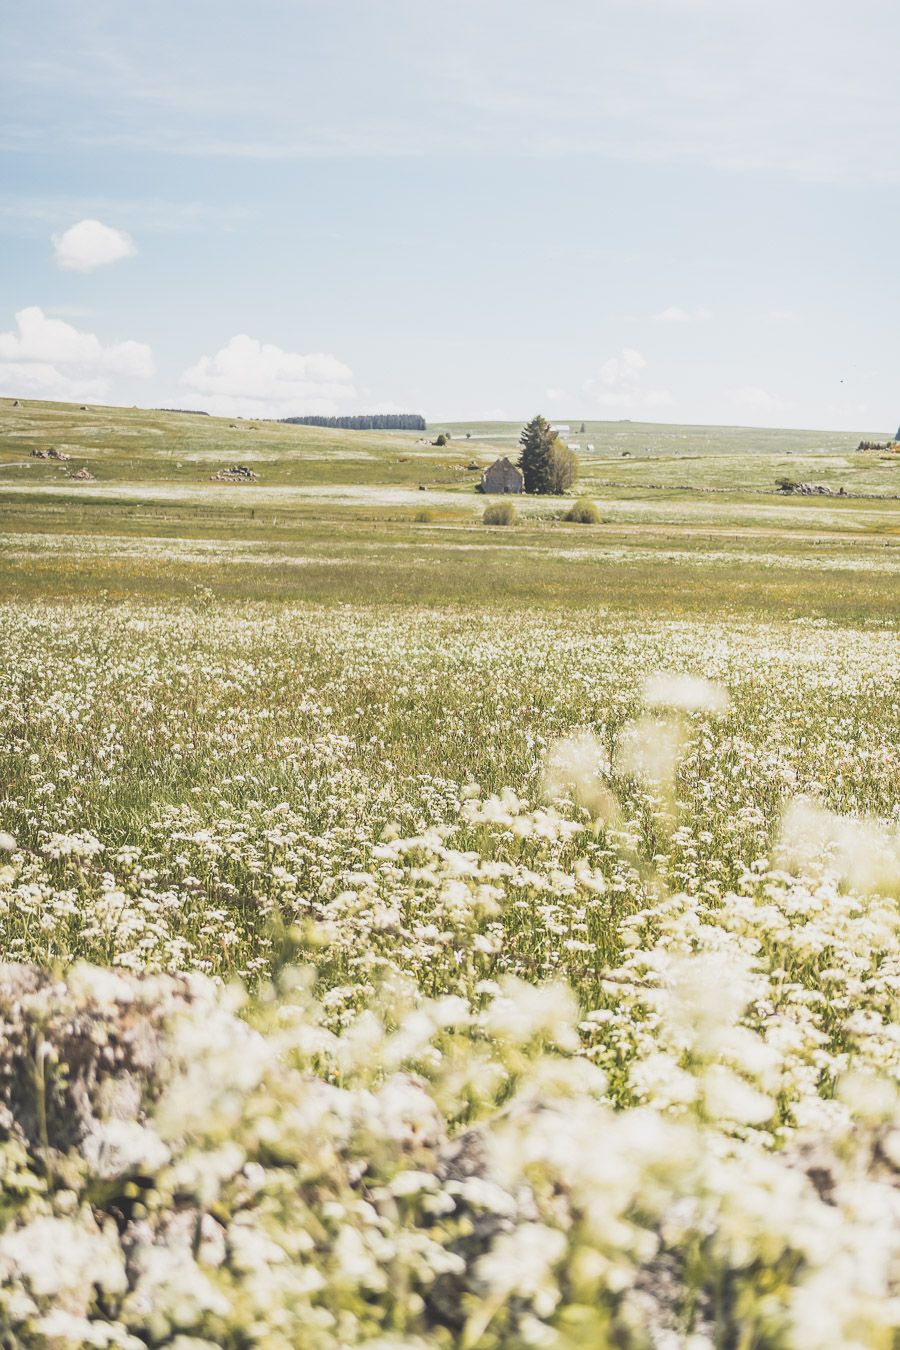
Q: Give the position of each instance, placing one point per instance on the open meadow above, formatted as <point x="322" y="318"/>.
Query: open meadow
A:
<point x="442" y="935"/>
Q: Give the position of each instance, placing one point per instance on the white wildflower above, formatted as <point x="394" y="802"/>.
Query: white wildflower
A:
<point x="652" y="748"/>
<point x="524" y="1011"/>
<point x="687" y="693"/>
<point x="864" y="853"/>
<point x="117" y="1148"/>
<point x="579" y="766"/>
<point x="63" y="1257"/>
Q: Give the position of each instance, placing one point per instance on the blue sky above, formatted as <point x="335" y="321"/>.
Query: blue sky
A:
<point x="679" y="210"/>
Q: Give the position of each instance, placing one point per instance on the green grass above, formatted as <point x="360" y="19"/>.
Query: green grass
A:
<point x="691" y="522"/>
<point x="648" y="765"/>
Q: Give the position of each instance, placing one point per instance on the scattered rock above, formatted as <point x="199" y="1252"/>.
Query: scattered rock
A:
<point x="788" y="488"/>
<point x="238" y="473"/>
<point x="50" y="453"/>
<point x="461" y="1161"/>
<point x="473" y="467"/>
<point x="91" y="1044"/>
<point x="82" y="475"/>
<point x="16" y="403"/>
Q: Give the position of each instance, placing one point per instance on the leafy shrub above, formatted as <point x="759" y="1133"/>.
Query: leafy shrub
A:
<point x="583" y="512"/>
<point x="562" y="469"/>
<point x="424" y="517"/>
<point x="500" y="513"/>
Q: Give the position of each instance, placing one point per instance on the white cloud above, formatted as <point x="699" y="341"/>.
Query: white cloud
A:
<point x="40" y="380"/>
<point x="257" y="379"/>
<point x="618" y="384"/>
<point x="554" y="395"/>
<point x="623" y="369"/>
<point x="48" y="357"/>
<point x="91" y="244"/>
<point x="675" y="314"/>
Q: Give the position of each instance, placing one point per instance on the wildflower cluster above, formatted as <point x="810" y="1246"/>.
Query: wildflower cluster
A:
<point x="455" y="983"/>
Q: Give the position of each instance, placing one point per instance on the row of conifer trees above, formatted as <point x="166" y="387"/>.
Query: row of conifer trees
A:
<point x="364" y="422"/>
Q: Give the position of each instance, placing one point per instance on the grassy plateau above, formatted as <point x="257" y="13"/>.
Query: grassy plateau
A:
<point x="437" y="936"/>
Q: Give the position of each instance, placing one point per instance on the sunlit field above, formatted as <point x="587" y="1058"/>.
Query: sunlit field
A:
<point x="438" y="936"/>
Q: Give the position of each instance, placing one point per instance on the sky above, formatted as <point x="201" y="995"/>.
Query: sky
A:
<point x="665" y="210"/>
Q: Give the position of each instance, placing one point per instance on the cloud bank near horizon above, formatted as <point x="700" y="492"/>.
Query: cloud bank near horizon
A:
<point x="51" y="359"/>
<point x="249" y="378"/>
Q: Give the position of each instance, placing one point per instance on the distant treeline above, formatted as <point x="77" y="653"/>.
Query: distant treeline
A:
<point x="365" y="422"/>
<point x="188" y="412"/>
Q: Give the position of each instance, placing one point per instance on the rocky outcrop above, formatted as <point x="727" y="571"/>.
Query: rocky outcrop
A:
<point x="238" y="473"/>
<point x="788" y="488"/>
<point x="50" y="453"/>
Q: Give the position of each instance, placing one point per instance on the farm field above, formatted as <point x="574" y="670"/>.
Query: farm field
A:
<point x="451" y="936"/>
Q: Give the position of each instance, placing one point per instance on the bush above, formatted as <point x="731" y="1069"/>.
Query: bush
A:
<point x="562" y="468"/>
<point x="424" y="517"/>
<point x="583" y="512"/>
<point x="500" y="513"/>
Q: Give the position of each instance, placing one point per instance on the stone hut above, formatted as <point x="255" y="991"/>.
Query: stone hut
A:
<point x="502" y="476"/>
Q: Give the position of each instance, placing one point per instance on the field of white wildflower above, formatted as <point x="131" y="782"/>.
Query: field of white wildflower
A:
<point x="421" y="980"/>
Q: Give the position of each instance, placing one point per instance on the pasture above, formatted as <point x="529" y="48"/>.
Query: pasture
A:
<point x="507" y="918"/>
<point x="691" y="526"/>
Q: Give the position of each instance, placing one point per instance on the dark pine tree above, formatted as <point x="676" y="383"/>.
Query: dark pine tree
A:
<point x="535" y="456"/>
